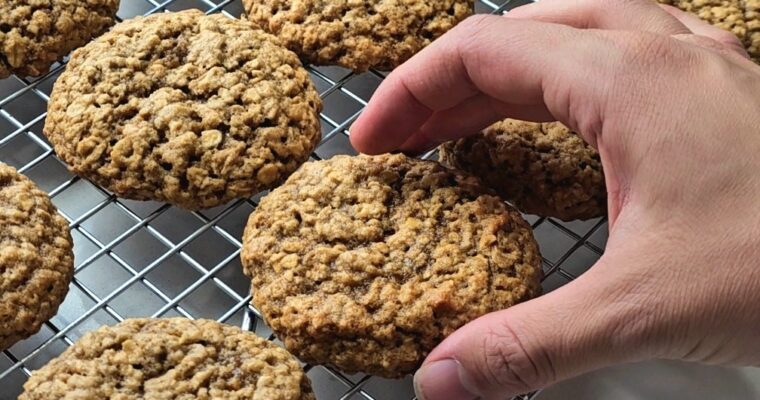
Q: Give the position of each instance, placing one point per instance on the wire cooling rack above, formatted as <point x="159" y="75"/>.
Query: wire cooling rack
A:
<point x="141" y="259"/>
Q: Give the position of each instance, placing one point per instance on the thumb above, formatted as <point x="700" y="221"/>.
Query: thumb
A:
<point x="589" y="323"/>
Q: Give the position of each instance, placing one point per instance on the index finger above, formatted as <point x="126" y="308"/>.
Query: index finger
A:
<point x="519" y="70"/>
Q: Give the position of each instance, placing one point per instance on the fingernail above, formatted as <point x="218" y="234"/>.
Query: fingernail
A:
<point x="441" y="380"/>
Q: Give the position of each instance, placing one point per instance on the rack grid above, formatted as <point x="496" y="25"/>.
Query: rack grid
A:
<point x="140" y="259"/>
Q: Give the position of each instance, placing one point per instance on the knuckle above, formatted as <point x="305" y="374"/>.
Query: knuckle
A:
<point x="649" y="50"/>
<point x="591" y="9"/>
<point x="471" y="34"/>
<point x="637" y="58"/>
<point x="506" y="364"/>
<point x="476" y="25"/>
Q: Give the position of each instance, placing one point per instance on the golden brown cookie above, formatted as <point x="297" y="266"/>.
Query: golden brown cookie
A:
<point x="367" y="263"/>
<point x="741" y="17"/>
<point x="543" y="169"/>
<point x="36" y="259"/>
<point x="173" y="358"/>
<point x="186" y="108"/>
<point x="36" y="33"/>
<point x="752" y="16"/>
<point x="357" y="34"/>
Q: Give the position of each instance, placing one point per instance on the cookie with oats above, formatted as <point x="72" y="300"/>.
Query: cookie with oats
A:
<point x="36" y="33"/>
<point x="358" y="35"/>
<point x="367" y="263"/>
<point x="36" y="257"/>
<point x="192" y="109"/>
<point x="174" y="358"/>
<point x="542" y="168"/>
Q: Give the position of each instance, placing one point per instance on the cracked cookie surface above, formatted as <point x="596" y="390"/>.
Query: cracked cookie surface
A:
<point x="543" y="169"/>
<point x="354" y="34"/>
<point x="36" y="33"/>
<point x="190" y="109"/>
<point x="36" y="257"/>
<point x="740" y="17"/>
<point x="367" y="263"/>
<point x="173" y="358"/>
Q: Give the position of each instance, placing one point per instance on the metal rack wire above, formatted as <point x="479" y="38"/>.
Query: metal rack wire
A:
<point x="138" y="259"/>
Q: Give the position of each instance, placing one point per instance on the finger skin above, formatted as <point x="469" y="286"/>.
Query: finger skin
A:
<point x="643" y="15"/>
<point x="452" y="124"/>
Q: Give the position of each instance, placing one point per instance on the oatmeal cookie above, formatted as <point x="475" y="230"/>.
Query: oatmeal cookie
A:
<point x="36" y="257"/>
<point x="357" y="34"/>
<point x="36" y="33"/>
<point x="174" y="358"/>
<point x="543" y="169"/>
<point x="367" y="263"/>
<point x="186" y="108"/>
<point x="740" y="17"/>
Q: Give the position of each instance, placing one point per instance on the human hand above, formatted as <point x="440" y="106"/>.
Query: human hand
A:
<point x="673" y="106"/>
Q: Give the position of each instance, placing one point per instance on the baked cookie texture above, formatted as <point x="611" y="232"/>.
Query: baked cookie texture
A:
<point x="741" y="17"/>
<point x="356" y="34"/>
<point x="544" y="169"/>
<point x="173" y="358"/>
<point x="190" y="109"/>
<point x="36" y="33"/>
<point x="36" y="257"/>
<point x="367" y="263"/>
